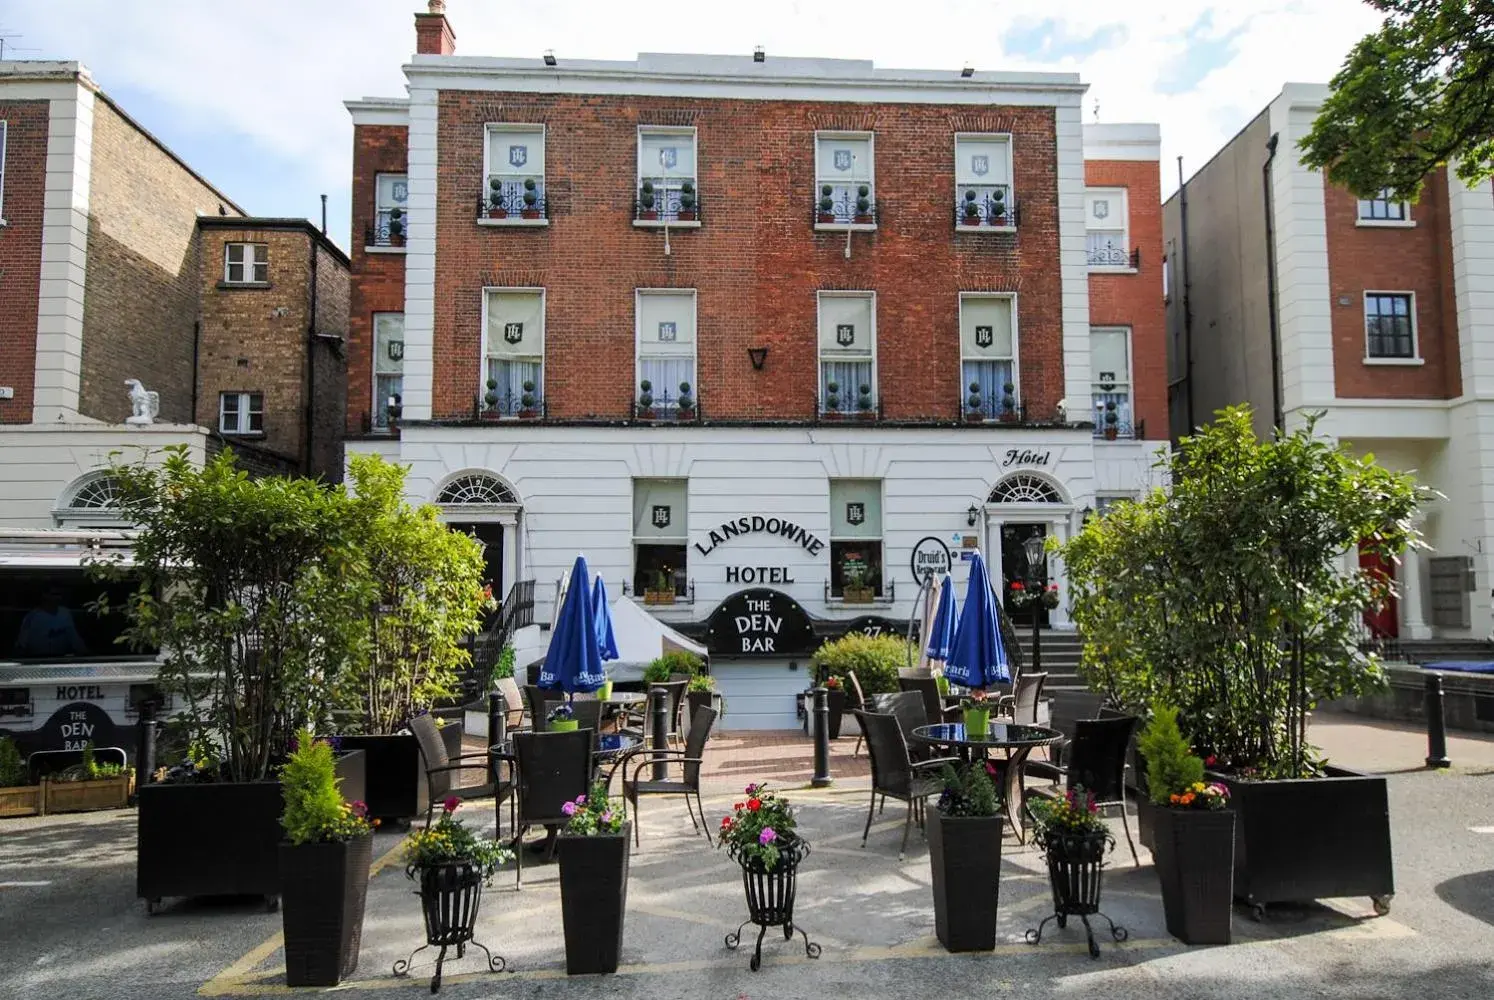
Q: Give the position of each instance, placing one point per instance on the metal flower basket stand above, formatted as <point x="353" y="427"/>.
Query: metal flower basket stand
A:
<point x="770" y="899"/>
<point x="1075" y="865"/>
<point x="449" y="898"/>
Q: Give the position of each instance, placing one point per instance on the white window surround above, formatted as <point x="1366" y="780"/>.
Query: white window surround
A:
<point x="1108" y="239"/>
<point x="849" y="394"/>
<point x="845" y="183"/>
<point x="1416" y="358"/>
<point x="4" y="135"/>
<point x="1369" y="221"/>
<point x="253" y="265"/>
<point x="1001" y="175"/>
<point x="530" y="356"/>
<point x="1122" y="384"/>
<point x="667" y="181"/>
<point x="973" y="353"/>
<point x="388" y="370"/>
<point x="241" y="413"/>
<point x="512" y="177"/>
<point x="870" y="496"/>
<point x="391" y="193"/>
<point x="660" y="354"/>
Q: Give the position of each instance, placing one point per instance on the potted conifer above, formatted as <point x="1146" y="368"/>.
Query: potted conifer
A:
<point x="973" y="412"/>
<point x="18" y="796"/>
<point x="528" y="402"/>
<point x="490" y="408"/>
<point x="686" y="408"/>
<point x="965" y="856"/>
<point x="826" y="213"/>
<point x="864" y="206"/>
<point x="1008" y="402"/>
<point x="531" y="209"/>
<point x="864" y="405"/>
<point x="495" y="199"/>
<point x="832" y="400"/>
<point x="687" y="202"/>
<point x="594" y="853"/>
<point x="1112" y="421"/>
<point x="971" y="214"/>
<point x="645" y="400"/>
<point x="647" y="202"/>
<point x="396" y="227"/>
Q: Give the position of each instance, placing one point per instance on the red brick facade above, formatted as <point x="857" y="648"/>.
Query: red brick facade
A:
<point x="1135" y="300"/>
<point x="1415" y="259"/>
<point x="378" y="283"/>
<point x="756" y="262"/>
<point x="20" y="251"/>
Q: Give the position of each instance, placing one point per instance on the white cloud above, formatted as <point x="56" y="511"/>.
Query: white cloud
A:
<point x="277" y="71"/>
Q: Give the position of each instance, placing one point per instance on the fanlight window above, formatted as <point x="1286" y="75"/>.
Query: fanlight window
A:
<point x="101" y="493"/>
<point x="475" y="489"/>
<point x="1024" y="489"/>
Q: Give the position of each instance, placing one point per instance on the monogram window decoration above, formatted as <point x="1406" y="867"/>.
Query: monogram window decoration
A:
<point x="845" y="334"/>
<point x="984" y="336"/>
<point x="396" y="350"/>
<point x="842" y="159"/>
<point x="668" y="332"/>
<point x="513" y="332"/>
<point x="518" y="155"/>
<point x="660" y="515"/>
<point x="669" y="156"/>
<point x="401" y="191"/>
<point x="1101" y="208"/>
<point x="980" y="164"/>
<point x="855" y="513"/>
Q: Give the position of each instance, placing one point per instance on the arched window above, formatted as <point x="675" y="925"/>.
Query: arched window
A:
<point x="476" y="488"/>
<point x="99" y="493"/>
<point x="91" y="501"/>
<point x="1025" y="488"/>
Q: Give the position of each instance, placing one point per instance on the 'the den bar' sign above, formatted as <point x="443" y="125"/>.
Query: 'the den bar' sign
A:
<point x="760" y="622"/>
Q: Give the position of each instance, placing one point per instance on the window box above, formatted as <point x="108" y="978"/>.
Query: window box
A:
<point x="87" y="796"/>
<point x="659" y="596"/>
<point x="858" y="595"/>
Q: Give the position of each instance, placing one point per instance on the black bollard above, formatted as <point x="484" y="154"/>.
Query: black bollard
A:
<point x="821" y="777"/>
<point x="497" y="728"/>
<point x="145" y="753"/>
<point x="659" y="712"/>
<point x="1436" y="724"/>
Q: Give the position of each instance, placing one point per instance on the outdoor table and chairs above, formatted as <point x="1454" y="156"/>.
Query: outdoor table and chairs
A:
<point x="1016" y="739"/>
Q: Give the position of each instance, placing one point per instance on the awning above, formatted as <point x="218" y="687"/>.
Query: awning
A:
<point x="642" y="638"/>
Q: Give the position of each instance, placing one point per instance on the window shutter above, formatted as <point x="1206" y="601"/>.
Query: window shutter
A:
<point x="978" y="314"/>
<point x="837" y="313"/>
<point x="855" y="508"/>
<point x="659" y="509"/>
<point x="516" y="325"/>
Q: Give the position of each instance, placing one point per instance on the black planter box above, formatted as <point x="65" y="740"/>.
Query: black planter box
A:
<point x="835" y="700"/>
<point x="394" y="784"/>
<point x="965" y="855"/>
<point x="1145" y="822"/>
<point x="325" y="887"/>
<point x="593" y="900"/>
<point x="697" y="699"/>
<point x="1312" y="838"/>
<point x="1195" y="860"/>
<point x="175" y="857"/>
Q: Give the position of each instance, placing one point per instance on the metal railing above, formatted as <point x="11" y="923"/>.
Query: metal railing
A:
<point x="524" y="405"/>
<point x="514" y="198"/>
<point x="844" y="205"/>
<point x="668" y="200"/>
<point x="992" y="207"/>
<point x="661" y="405"/>
<point x="846" y="405"/>
<point x="684" y="592"/>
<point x="884" y="593"/>
<point x="388" y="229"/>
<point x="994" y="408"/>
<point x="1109" y="255"/>
<point x="1122" y="430"/>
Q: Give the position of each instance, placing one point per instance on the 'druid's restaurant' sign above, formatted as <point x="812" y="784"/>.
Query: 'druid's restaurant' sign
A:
<point x="760" y="622"/>
<point x="758" y="524"/>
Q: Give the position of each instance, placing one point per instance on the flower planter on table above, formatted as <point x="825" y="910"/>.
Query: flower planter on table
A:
<point x="1194" y="856"/>
<point x="965" y="856"/>
<point x="86" y="796"/>
<point x="1312" y="838"/>
<point x="593" y="899"/>
<point x="324" y="889"/>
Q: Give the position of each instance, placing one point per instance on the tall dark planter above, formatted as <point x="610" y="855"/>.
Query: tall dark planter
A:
<point x="394" y="783"/>
<point x="593" y="899"/>
<point x="835" y="700"/>
<point x="1194" y="854"/>
<point x="965" y="856"/>
<point x="696" y="700"/>
<point x="242" y="858"/>
<point x="324" y="887"/>
<point x="1312" y="838"/>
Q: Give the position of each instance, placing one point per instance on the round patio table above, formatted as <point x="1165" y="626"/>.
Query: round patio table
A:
<point x="625" y="698"/>
<point x="1016" y="739"/>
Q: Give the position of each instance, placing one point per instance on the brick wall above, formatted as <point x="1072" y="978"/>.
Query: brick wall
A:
<point x="329" y="376"/>
<point x="378" y="283"/>
<point x="20" y="251"/>
<point x="756" y="262"/>
<point x="1393" y="259"/>
<point x="1135" y="300"/>
<point x="140" y="300"/>
<point x="254" y="339"/>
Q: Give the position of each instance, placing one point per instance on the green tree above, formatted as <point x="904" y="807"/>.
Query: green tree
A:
<point x="237" y="587"/>
<point x="1411" y="97"/>
<point x="420" y="593"/>
<point x="1229" y="596"/>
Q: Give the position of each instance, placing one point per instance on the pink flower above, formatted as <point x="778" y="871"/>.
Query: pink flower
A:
<point x="580" y="800"/>
<point x="450" y="805"/>
<point x="607" y="816"/>
<point x="751" y="790"/>
<point x="767" y="836"/>
<point x="569" y="808"/>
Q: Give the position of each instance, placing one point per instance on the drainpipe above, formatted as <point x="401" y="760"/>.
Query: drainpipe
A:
<point x="1187" y="305"/>
<point x="308" y="408"/>
<point x="1276" y="405"/>
<point x="196" y="372"/>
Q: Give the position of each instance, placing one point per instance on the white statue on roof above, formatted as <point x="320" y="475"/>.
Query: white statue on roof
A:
<point x="145" y="405"/>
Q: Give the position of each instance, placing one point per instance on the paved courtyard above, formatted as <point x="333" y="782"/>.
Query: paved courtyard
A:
<point x="72" y="927"/>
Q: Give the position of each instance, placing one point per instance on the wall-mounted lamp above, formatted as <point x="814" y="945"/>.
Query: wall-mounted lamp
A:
<point x="758" y="55"/>
<point x="967" y="72"/>
<point x="972" y="515"/>
<point x="758" y="356"/>
<point x="549" y="57"/>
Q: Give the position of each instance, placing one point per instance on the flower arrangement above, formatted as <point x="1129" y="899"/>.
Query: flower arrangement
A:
<point x="1022" y="596"/>
<point x="560" y="712"/>
<point x="593" y="814"/>
<point x="449" y="842"/>
<point x="314" y="810"/>
<point x="1201" y="796"/>
<point x="758" y="826"/>
<point x="1072" y="816"/>
<point x="701" y="684"/>
<point x="832" y="683"/>
<point x="969" y="790"/>
<point x="976" y="699"/>
<point x="1174" y="773"/>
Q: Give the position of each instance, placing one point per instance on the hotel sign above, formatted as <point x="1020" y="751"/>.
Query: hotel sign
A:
<point x="760" y="622"/>
<point x="758" y="524"/>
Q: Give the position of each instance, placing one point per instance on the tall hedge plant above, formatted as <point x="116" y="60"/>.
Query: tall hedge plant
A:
<point x="875" y="658"/>
<point x="1236" y="594"/>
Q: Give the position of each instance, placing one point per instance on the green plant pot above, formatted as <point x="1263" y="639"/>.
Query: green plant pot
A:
<point x="562" y="725"/>
<point x="604" y="692"/>
<point x="977" y="722"/>
<point x="942" y="683"/>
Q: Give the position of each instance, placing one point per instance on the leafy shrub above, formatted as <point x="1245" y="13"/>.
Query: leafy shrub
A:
<point x="969" y="791"/>
<point x="676" y="661"/>
<point x="12" y="767"/>
<point x="505" y="665"/>
<point x="875" y="658"/>
<point x="1170" y="766"/>
<point x="701" y="684"/>
<point x="314" y="811"/>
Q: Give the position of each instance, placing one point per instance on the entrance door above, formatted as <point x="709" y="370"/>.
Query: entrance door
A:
<point x="1383" y="622"/>
<point x="1014" y="570"/>
<point x="490" y="533"/>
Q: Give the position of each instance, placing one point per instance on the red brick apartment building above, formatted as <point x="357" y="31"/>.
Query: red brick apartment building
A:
<point x="627" y="308"/>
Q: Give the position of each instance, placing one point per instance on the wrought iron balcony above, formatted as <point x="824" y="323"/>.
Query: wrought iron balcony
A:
<point x="497" y="404"/>
<point x="661" y="405"/>
<point x="514" y="198"/>
<point x="980" y="408"/>
<point x="388" y="229"/>
<point x="669" y="201"/>
<point x="1105" y="253"/>
<point x="845" y="404"/>
<point x="845" y="205"/>
<point x="988" y="207"/>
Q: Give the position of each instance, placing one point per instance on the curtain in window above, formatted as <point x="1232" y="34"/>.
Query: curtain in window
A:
<point x="992" y="377"/>
<point x="848" y="377"/>
<point x="511" y="376"/>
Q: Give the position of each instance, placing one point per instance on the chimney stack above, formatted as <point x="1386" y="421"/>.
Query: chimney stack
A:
<point x="433" y="34"/>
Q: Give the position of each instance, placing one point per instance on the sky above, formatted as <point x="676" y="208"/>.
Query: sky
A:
<point x="251" y="94"/>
